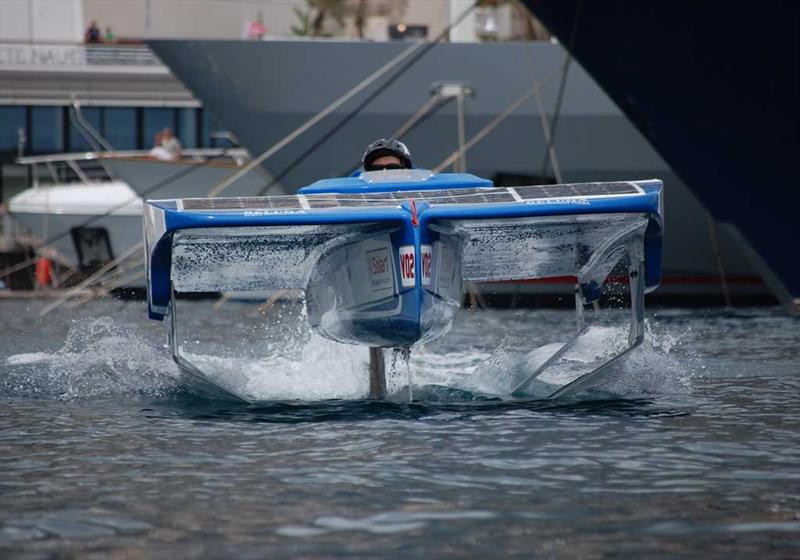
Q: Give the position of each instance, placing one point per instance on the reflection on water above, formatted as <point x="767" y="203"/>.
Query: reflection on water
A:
<point x="692" y="450"/>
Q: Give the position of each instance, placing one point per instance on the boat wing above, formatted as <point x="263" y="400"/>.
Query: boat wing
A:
<point x="504" y="233"/>
<point x="545" y="231"/>
<point x="249" y="243"/>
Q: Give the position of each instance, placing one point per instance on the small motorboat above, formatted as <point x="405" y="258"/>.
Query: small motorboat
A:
<point x="384" y="257"/>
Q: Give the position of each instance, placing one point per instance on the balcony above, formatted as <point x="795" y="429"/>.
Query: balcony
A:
<point x="129" y="58"/>
<point x="104" y="74"/>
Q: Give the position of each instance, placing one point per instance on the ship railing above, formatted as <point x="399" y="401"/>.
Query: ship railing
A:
<point x="64" y="56"/>
<point x="87" y="167"/>
<point x="191" y="153"/>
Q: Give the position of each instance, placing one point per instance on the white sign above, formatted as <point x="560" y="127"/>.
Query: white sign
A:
<point x="379" y="270"/>
<point x="41" y="55"/>
<point x="426" y="263"/>
<point x="408" y="276"/>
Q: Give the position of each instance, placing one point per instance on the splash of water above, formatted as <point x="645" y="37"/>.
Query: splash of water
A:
<point x="99" y="357"/>
<point x="102" y="357"/>
<point x="316" y="369"/>
<point x="653" y="367"/>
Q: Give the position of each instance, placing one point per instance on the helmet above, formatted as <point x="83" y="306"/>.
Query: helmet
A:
<point x="384" y="147"/>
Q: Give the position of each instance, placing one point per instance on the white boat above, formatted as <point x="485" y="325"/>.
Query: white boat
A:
<point x="88" y="209"/>
<point x="194" y="174"/>
<point x="85" y="222"/>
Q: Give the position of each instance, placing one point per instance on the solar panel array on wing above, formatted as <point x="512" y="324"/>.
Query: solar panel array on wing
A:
<point x="356" y="200"/>
<point x="533" y="192"/>
<point x="243" y="203"/>
<point x="445" y="196"/>
<point x="467" y="196"/>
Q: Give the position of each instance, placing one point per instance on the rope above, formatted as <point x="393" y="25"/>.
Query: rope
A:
<point x="495" y="122"/>
<point x="715" y="248"/>
<point x="228" y="181"/>
<point x="174" y="177"/>
<point x="347" y="118"/>
<point x="105" y="268"/>
<point x="427" y="110"/>
<point x="412" y="121"/>
<point x="561" y="89"/>
<point x="550" y="149"/>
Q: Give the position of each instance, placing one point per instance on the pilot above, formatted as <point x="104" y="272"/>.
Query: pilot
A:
<point x="386" y="154"/>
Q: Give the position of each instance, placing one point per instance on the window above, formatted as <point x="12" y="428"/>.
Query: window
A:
<point x="187" y="127"/>
<point x="120" y="127"/>
<point x="12" y="119"/>
<point x="47" y="130"/>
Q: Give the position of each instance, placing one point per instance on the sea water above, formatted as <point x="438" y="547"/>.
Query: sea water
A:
<point x="691" y="450"/>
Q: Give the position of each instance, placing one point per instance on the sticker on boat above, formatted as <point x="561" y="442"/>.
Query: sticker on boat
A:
<point x="379" y="269"/>
<point x="407" y="266"/>
<point x="426" y="257"/>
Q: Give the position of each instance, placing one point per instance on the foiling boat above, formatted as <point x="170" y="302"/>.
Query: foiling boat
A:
<point x="384" y="257"/>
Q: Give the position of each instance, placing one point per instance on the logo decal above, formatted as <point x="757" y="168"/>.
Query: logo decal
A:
<point x="408" y="276"/>
<point x="379" y="269"/>
<point x="426" y="256"/>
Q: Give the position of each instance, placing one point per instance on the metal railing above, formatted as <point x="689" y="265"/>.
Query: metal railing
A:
<point x="123" y="55"/>
<point x="62" y="55"/>
<point x="193" y="153"/>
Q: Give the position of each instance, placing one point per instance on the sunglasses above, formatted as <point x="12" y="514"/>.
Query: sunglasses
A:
<point x="387" y="166"/>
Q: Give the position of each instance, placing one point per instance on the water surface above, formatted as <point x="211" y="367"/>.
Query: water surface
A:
<point x="692" y="451"/>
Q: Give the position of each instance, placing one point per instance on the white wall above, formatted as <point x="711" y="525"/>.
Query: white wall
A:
<point x="226" y="19"/>
<point x="465" y="31"/>
<point x="126" y="17"/>
<point x="66" y="20"/>
<point x="15" y="20"/>
<point x="42" y="21"/>
<point x="434" y="14"/>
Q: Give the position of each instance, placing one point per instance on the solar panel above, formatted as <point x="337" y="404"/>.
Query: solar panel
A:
<point x="433" y="197"/>
<point x="448" y="196"/>
<point x="243" y="203"/>
<point x="534" y="192"/>
<point x="353" y="200"/>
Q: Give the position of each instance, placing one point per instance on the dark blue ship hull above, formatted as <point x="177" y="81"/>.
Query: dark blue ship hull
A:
<point x="715" y="89"/>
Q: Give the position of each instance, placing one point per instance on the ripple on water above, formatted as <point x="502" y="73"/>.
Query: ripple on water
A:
<point x="70" y="524"/>
<point x="692" y="449"/>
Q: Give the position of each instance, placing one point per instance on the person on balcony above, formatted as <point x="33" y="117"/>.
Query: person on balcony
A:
<point x="92" y="34"/>
<point x="166" y="147"/>
<point x="256" y="29"/>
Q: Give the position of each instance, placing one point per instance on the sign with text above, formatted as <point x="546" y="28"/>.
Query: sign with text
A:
<point x="407" y="266"/>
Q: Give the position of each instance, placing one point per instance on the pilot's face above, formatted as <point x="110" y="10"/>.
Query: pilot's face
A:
<point x="387" y="160"/>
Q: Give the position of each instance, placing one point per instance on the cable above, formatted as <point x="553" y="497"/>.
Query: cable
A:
<point x="561" y="88"/>
<point x="494" y="123"/>
<point x="182" y="173"/>
<point x="405" y="129"/>
<point x="346" y="119"/>
<point x="350" y="116"/>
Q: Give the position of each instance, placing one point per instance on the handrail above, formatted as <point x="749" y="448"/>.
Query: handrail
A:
<point x="75" y="114"/>
<point x="90" y="156"/>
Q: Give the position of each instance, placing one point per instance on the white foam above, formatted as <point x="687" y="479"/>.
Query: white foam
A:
<point x="29" y="358"/>
<point x="103" y="357"/>
<point x="318" y="369"/>
<point x="99" y="357"/>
